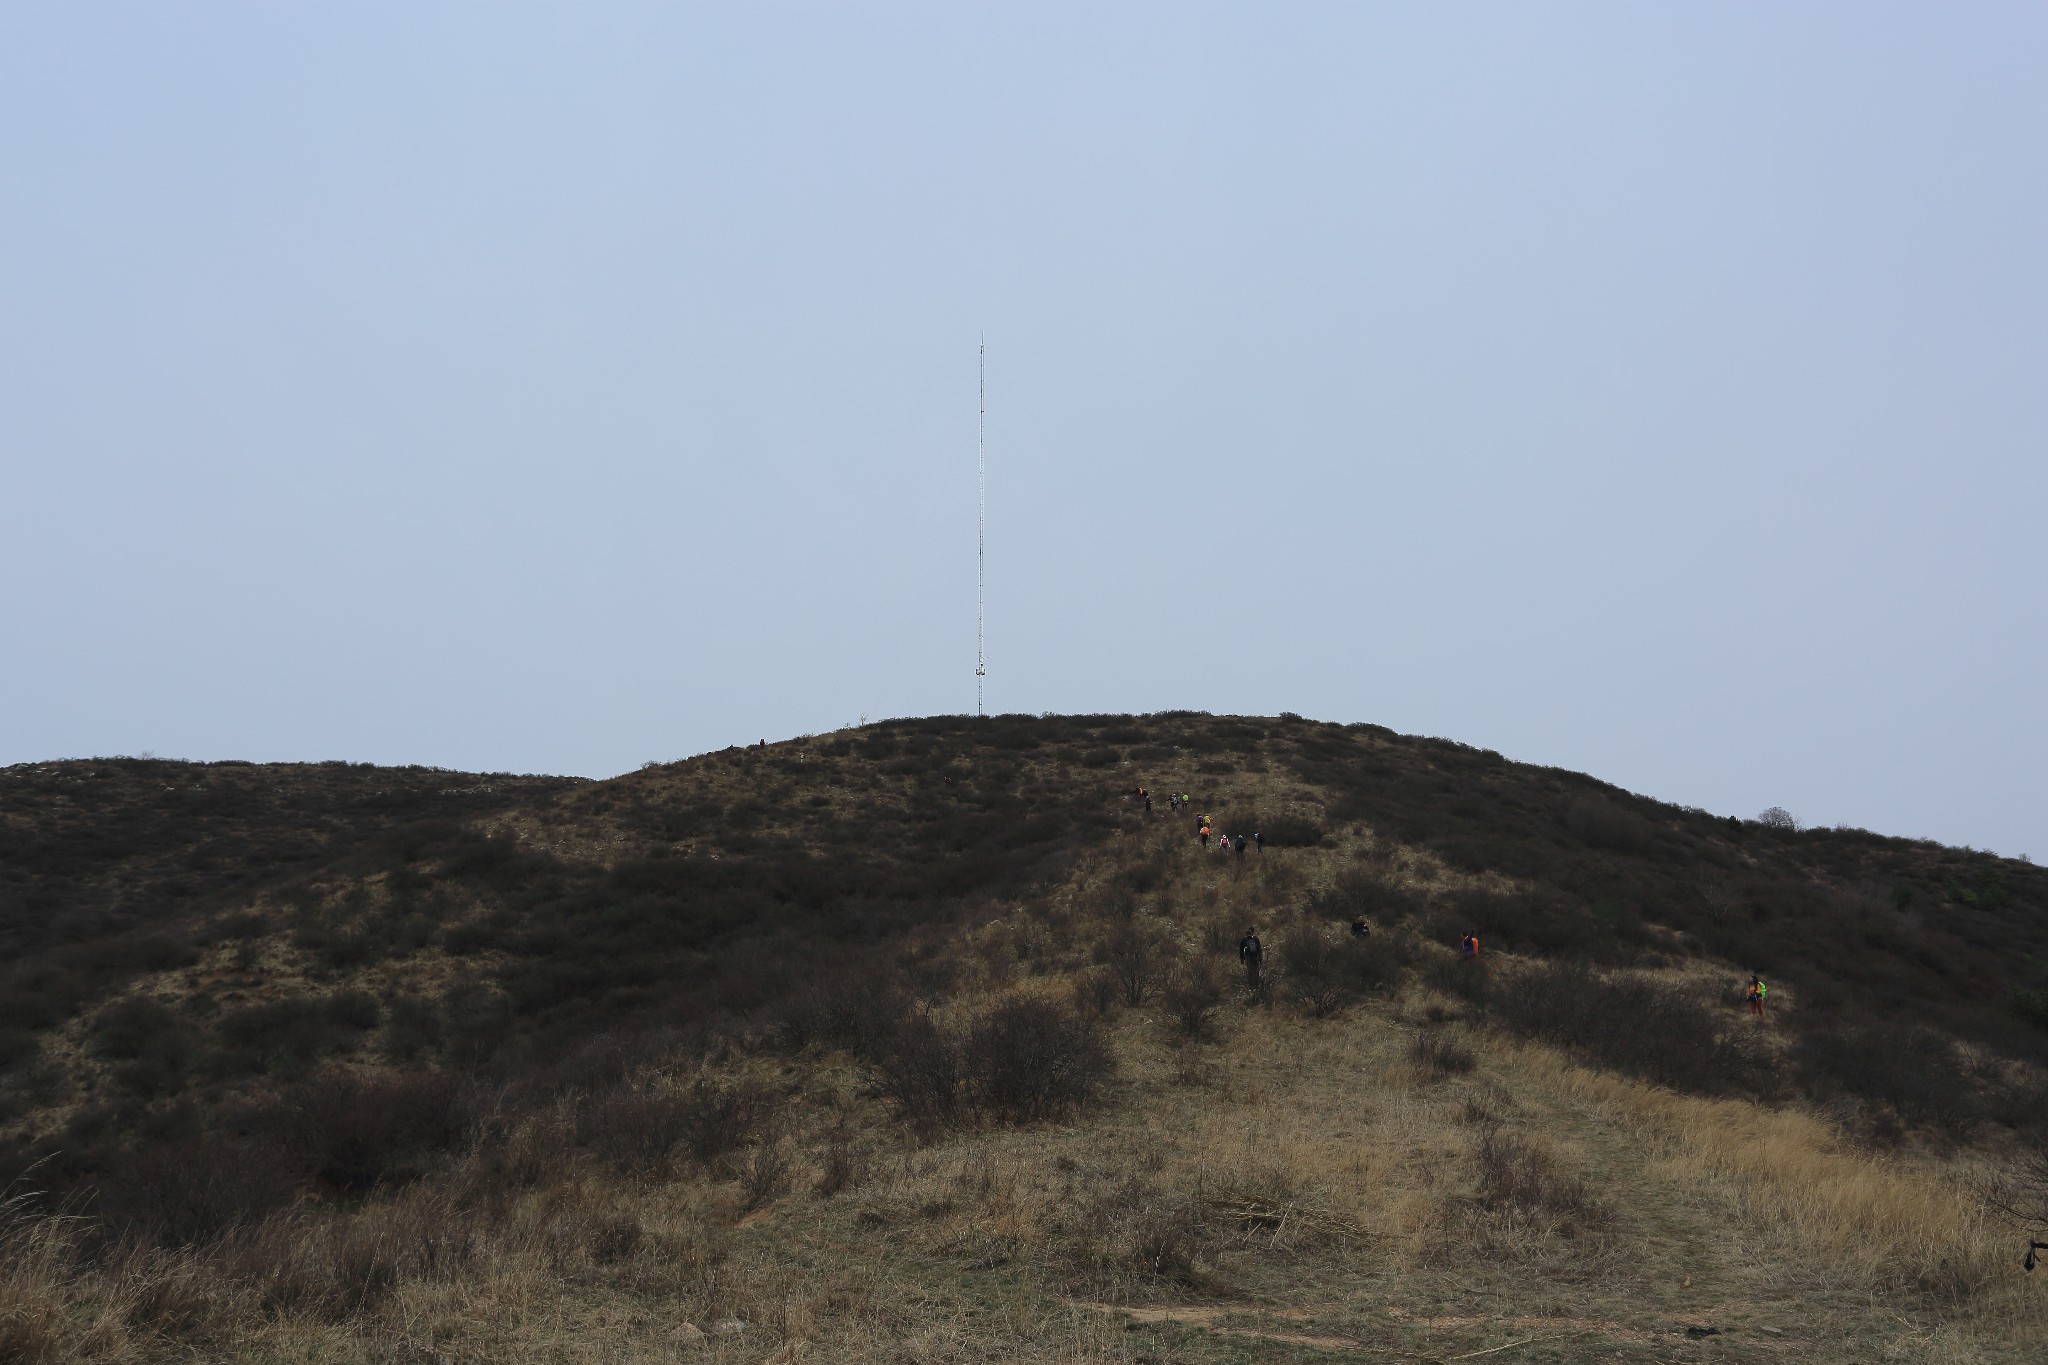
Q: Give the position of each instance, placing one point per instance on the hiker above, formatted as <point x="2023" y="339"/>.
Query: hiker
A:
<point x="1259" y="842"/>
<point x="1205" y="831"/>
<point x="1240" y="847"/>
<point x="1468" y="946"/>
<point x="1755" y="993"/>
<point x="1359" y="928"/>
<point x="1249" y="951"/>
<point x="1148" y="803"/>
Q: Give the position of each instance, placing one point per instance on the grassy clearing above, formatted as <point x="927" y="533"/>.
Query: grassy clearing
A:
<point x="1316" y="1186"/>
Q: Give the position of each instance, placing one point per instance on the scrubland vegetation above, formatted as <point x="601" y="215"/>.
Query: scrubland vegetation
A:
<point x="922" y="1042"/>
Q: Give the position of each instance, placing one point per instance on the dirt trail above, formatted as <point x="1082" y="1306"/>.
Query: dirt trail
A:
<point x="1208" y="1320"/>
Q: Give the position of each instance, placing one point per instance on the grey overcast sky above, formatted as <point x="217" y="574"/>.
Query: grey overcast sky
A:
<point x="1658" y="391"/>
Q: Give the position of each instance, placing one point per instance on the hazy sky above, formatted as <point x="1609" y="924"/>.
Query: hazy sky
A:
<point x="1657" y="391"/>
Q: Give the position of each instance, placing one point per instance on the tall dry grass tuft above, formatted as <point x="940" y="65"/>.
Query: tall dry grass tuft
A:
<point x="35" y="1277"/>
<point x="333" y="1266"/>
<point x="1437" y="1055"/>
<point x="174" y="1296"/>
<point x="1888" y="1223"/>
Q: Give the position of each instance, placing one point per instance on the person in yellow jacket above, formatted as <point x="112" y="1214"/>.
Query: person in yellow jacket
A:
<point x="1756" y="993"/>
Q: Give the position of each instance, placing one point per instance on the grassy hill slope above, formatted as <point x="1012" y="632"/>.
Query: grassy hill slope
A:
<point x="925" y="1041"/>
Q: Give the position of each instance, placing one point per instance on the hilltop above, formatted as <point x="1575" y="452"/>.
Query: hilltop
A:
<point x="933" y="1013"/>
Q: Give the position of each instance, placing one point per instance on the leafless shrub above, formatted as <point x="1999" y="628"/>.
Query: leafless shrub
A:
<point x="1515" y="1175"/>
<point x="514" y="1156"/>
<point x="1132" y="957"/>
<point x="638" y="1127"/>
<point x="1633" y="1023"/>
<point x="845" y="1164"/>
<point x="1325" y="974"/>
<point x="766" y="1173"/>
<point x="1605" y="824"/>
<point x="1024" y="1060"/>
<point x="1438" y="1055"/>
<point x="1219" y="934"/>
<point x="355" y="1131"/>
<point x="1193" y="994"/>
<point x="723" y="1116"/>
<point x="1912" y="1071"/>
<point x="919" y="1068"/>
<point x="1720" y="896"/>
<point x="1130" y="1226"/>
<point x="1029" y="1059"/>
<point x="1097" y="990"/>
<point x="1166" y="1243"/>
<point x="635" y="1128"/>
<point x="193" y="1191"/>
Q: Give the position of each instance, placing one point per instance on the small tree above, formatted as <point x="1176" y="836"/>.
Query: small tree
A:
<point x="1777" y="817"/>
<point x="1133" y="959"/>
<point x="1721" y="896"/>
<point x="2019" y="1194"/>
<point x="1193" y="994"/>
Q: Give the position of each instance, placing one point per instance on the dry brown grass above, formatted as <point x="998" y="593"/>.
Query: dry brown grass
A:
<point x="1893" y="1223"/>
<point x="1317" y="1187"/>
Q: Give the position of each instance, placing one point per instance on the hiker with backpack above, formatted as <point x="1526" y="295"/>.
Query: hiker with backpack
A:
<point x="1250" y="951"/>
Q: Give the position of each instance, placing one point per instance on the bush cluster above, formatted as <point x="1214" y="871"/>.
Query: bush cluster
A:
<point x="1632" y="1023"/>
<point x="1325" y="970"/>
<point x="639" y="1127"/>
<point x="1910" y="1071"/>
<point x="1021" y="1061"/>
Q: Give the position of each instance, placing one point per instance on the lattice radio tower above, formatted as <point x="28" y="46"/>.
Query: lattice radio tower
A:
<point x="980" y="523"/>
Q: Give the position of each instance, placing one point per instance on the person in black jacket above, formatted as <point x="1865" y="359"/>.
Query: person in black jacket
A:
<point x="1249" y="951"/>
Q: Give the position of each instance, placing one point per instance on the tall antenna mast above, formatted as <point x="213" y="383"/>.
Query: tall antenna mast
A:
<point x="980" y="522"/>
